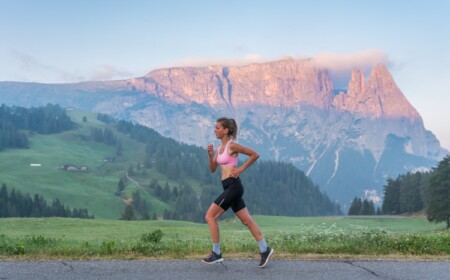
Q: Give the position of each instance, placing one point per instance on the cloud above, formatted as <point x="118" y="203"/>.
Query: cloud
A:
<point x="344" y="62"/>
<point x="372" y="195"/>
<point x="34" y="67"/>
<point x="226" y="61"/>
<point x="340" y="66"/>
<point x="109" y="72"/>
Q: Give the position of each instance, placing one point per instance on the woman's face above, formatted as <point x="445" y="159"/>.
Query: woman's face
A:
<point x="220" y="131"/>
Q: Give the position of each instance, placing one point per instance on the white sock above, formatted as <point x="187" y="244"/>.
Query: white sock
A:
<point x="216" y="248"/>
<point x="262" y="246"/>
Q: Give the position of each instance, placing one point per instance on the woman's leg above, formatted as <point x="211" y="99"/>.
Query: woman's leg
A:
<point x="247" y="220"/>
<point x="211" y="217"/>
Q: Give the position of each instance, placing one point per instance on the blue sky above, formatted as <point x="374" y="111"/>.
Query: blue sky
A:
<point x="57" y="41"/>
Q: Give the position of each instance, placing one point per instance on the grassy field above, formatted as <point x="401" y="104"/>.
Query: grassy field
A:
<point x="93" y="189"/>
<point x="108" y="237"/>
<point x="292" y="238"/>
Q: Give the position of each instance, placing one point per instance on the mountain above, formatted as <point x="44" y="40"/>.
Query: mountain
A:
<point x="349" y="142"/>
<point x="94" y="162"/>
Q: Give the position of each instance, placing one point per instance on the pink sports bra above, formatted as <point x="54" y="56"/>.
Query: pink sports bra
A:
<point x="225" y="158"/>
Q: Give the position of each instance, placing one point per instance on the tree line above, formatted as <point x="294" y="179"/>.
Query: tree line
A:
<point x="271" y="188"/>
<point x="14" y="121"/>
<point x="105" y="136"/>
<point x="16" y="204"/>
<point x="438" y="193"/>
<point x="364" y="207"/>
<point x="406" y="194"/>
<point x="414" y="192"/>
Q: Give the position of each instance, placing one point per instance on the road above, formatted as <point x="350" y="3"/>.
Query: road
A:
<point x="233" y="269"/>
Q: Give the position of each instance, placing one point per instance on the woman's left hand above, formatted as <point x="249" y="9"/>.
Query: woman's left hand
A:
<point x="235" y="173"/>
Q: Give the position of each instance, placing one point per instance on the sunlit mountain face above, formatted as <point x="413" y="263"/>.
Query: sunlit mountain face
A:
<point x="348" y="141"/>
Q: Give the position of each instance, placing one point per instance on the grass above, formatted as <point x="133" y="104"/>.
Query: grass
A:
<point x="47" y="238"/>
<point x="93" y="189"/>
<point x="107" y="237"/>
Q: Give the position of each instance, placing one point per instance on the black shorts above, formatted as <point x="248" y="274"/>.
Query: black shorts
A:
<point x="231" y="195"/>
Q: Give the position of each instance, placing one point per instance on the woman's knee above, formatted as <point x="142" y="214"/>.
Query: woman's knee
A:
<point x="209" y="218"/>
<point x="247" y="221"/>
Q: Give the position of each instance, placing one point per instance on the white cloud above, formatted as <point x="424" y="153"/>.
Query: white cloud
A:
<point x="345" y="62"/>
<point x="36" y="71"/>
<point x="109" y="72"/>
<point x="372" y="195"/>
<point x="34" y="68"/>
<point x="340" y="66"/>
<point x="208" y="61"/>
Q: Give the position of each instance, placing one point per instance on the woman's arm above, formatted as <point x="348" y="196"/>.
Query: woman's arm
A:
<point x="252" y="157"/>
<point x="212" y="159"/>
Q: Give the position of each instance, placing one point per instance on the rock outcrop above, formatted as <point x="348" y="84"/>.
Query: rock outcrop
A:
<point x="380" y="98"/>
<point x="283" y="83"/>
<point x="348" y="143"/>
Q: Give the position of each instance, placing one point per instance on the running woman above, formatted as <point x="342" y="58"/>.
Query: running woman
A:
<point x="226" y="157"/>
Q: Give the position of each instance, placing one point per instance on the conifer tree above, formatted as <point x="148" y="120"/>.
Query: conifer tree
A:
<point x="128" y="213"/>
<point x="391" y="201"/>
<point x="438" y="193"/>
<point x="355" y="207"/>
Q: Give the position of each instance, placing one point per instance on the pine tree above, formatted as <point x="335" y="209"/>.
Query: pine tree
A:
<point x="378" y="211"/>
<point x="355" y="207"/>
<point x="438" y="193"/>
<point x="391" y="201"/>
<point x="128" y="213"/>
<point x="410" y="195"/>
<point x="368" y="208"/>
<point x="3" y="202"/>
<point x="119" y="148"/>
<point x="120" y="186"/>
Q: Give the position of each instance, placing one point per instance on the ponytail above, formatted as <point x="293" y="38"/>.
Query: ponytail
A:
<point x="229" y="124"/>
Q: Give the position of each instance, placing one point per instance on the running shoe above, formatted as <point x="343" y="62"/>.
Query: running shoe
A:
<point x="213" y="258"/>
<point x="265" y="257"/>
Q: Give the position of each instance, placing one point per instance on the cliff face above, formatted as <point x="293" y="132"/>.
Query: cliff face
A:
<point x="285" y="83"/>
<point x="282" y="83"/>
<point x="348" y="143"/>
<point x="380" y="98"/>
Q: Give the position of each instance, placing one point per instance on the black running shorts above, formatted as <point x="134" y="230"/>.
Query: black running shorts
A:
<point x="231" y="195"/>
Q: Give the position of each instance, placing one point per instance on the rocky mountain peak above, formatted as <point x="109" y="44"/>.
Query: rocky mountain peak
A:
<point x="380" y="79"/>
<point x="357" y="84"/>
<point x="284" y="83"/>
<point x="380" y="98"/>
<point x="392" y="102"/>
<point x="372" y="132"/>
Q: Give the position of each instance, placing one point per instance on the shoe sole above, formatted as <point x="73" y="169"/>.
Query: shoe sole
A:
<point x="216" y="261"/>
<point x="267" y="260"/>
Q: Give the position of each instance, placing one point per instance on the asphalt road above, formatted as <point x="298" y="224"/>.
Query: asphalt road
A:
<point x="233" y="269"/>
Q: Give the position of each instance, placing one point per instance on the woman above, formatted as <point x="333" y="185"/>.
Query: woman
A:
<point x="227" y="158"/>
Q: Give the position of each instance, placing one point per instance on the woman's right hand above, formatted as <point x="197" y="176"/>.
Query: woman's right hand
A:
<point x="212" y="163"/>
<point x="210" y="150"/>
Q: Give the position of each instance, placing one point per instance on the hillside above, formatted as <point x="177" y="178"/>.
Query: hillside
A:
<point x="163" y="177"/>
<point x="349" y="141"/>
<point x="93" y="189"/>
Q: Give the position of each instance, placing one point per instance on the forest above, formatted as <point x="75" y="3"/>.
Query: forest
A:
<point x="17" y="122"/>
<point x="271" y="188"/>
<point x="411" y="193"/>
<point x="16" y="204"/>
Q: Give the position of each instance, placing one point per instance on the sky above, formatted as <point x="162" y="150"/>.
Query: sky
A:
<point x="56" y="41"/>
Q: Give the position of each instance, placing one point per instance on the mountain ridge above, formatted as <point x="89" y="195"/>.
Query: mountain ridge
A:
<point x="288" y="110"/>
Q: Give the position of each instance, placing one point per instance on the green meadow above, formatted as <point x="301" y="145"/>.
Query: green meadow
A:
<point x="292" y="237"/>
<point x="108" y="237"/>
<point x="93" y="189"/>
